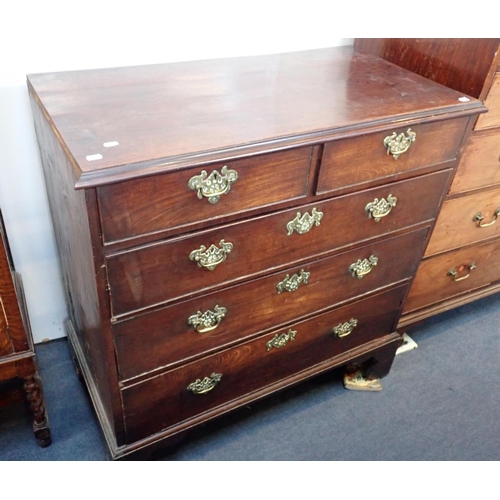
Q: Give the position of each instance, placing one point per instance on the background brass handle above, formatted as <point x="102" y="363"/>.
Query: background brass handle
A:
<point x="213" y="256"/>
<point x="361" y="268"/>
<point x="380" y="208"/>
<point x="478" y="219"/>
<point x="205" y="385"/>
<point x="290" y="284"/>
<point x="207" y="321"/>
<point x="213" y="186"/>
<point x="454" y="273"/>
<point x="280" y="340"/>
<point x="397" y="144"/>
<point x="345" y="329"/>
<point x="303" y="223"/>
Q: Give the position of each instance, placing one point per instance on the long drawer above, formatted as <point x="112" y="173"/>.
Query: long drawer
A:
<point x="167" y="336"/>
<point x="170" y="269"/>
<point x="364" y="160"/>
<point x="454" y="273"/>
<point x="177" y="199"/>
<point x="168" y="399"/>
<point x="480" y="163"/>
<point x="465" y="220"/>
<point x="492" y="118"/>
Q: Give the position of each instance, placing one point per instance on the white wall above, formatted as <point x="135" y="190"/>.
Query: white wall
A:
<point x="53" y="35"/>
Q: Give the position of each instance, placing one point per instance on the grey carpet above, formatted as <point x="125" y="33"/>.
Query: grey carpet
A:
<point x="441" y="401"/>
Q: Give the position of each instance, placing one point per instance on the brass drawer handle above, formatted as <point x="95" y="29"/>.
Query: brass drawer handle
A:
<point x="454" y="273"/>
<point x="213" y="186"/>
<point x="377" y="209"/>
<point x="280" y="340"/>
<point x="205" y="385"/>
<point x="208" y="320"/>
<point x="290" y="284"/>
<point x="303" y="223"/>
<point x="361" y="268"/>
<point x="478" y="219"/>
<point x="397" y="144"/>
<point x="213" y="256"/>
<point x="345" y="329"/>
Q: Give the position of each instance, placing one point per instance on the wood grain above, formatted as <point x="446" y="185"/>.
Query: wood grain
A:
<point x="492" y="118"/>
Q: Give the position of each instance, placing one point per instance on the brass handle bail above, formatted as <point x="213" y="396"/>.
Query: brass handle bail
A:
<point x="478" y="219"/>
<point x="397" y="144"/>
<point x="281" y="340"/>
<point x="206" y="385"/>
<point x="213" y="186"/>
<point x="454" y="273"/>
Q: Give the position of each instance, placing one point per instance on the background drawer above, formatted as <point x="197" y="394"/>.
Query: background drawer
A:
<point x="432" y="283"/>
<point x="164" y="337"/>
<point x="492" y="102"/>
<point x="480" y="163"/>
<point x="163" y="202"/>
<point x="364" y="160"/>
<point x="455" y="225"/>
<point x="163" y="272"/>
<point x="163" y="401"/>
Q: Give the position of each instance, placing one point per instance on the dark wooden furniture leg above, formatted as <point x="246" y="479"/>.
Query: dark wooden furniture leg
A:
<point x="34" y="396"/>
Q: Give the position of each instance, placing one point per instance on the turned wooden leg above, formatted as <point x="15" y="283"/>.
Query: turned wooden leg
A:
<point x="34" y="395"/>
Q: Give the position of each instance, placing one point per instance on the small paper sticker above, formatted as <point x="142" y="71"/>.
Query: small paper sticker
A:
<point x="93" y="157"/>
<point x="111" y="144"/>
<point x="464" y="99"/>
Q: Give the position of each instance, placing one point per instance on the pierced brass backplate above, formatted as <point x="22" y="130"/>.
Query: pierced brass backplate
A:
<point x="303" y="223"/>
<point x="208" y="320"/>
<point x="213" y="186"/>
<point x="361" y="268"/>
<point x="290" y="284"/>
<point x="345" y="329"/>
<point x="280" y="340"/>
<point x="212" y="257"/>
<point x="397" y="144"/>
<point x="380" y="208"/>
<point x="206" y="385"/>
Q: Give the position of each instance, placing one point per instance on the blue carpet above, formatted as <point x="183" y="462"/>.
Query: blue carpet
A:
<point x="439" y="403"/>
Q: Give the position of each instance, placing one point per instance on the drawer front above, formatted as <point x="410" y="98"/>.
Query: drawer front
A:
<point x="177" y="199"/>
<point x="466" y="220"/>
<point x="480" y="163"/>
<point x="165" y="336"/>
<point x="268" y="242"/>
<point x="434" y="282"/>
<point x="364" y="160"/>
<point x="165" y="400"/>
<point x="492" y="102"/>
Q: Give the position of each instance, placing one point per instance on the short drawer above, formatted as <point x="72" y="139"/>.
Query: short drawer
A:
<point x="445" y="276"/>
<point x="492" y="102"/>
<point x="176" y="333"/>
<point x="364" y="160"/>
<point x="465" y="220"/>
<point x="165" y="400"/>
<point x="480" y="163"/>
<point x="178" y="199"/>
<point x="162" y="272"/>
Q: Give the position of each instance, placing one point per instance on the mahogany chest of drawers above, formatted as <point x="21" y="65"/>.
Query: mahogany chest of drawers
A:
<point x="228" y="228"/>
<point x="460" y="263"/>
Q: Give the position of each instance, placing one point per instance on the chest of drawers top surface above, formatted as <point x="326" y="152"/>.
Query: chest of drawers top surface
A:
<point x="170" y="115"/>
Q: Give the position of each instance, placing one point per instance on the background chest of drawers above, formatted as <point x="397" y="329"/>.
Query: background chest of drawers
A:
<point x="460" y="264"/>
<point x="227" y="228"/>
<point x="19" y="375"/>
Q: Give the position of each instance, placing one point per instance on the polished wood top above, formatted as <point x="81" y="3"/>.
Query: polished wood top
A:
<point x="169" y="115"/>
